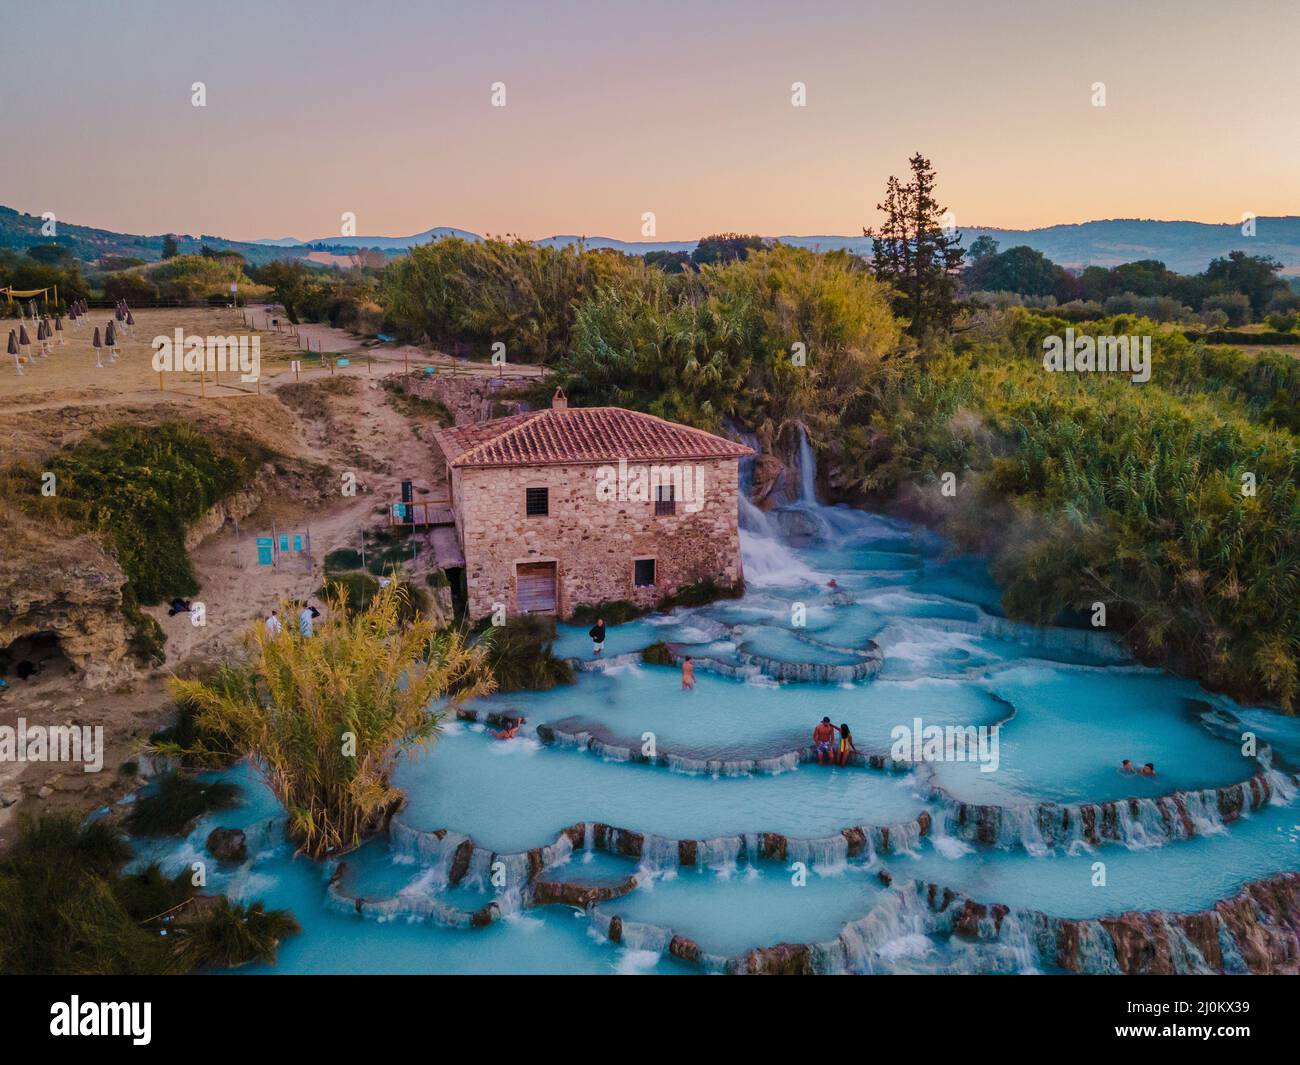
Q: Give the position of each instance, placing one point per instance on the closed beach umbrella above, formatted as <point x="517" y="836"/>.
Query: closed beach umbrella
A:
<point x="13" y="350"/>
<point x="110" y="336"/>
<point x="58" y="327"/>
<point x="94" y="343"/>
<point x="23" y="339"/>
<point x="130" y="318"/>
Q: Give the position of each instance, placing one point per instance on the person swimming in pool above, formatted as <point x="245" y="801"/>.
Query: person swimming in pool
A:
<point x="1127" y="766"/>
<point x="846" y="744"/>
<point x="823" y="737"/>
<point x="688" y="675"/>
<point x="1149" y="770"/>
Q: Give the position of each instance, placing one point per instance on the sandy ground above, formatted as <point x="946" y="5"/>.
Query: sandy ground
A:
<point x="69" y="374"/>
<point x="347" y="428"/>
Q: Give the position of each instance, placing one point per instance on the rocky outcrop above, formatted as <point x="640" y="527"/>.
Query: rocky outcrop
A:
<point x="68" y="587"/>
<point x="767" y="477"/>
<point x="684" y="949"/>
<point x="581" y="896"/>
<point x="227" y="844"/>
<point x="1256" y="931"/>
<point x="784" y="959"/>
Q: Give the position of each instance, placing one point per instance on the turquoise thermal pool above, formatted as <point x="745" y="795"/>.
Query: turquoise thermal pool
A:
<point x="633" y="827"/>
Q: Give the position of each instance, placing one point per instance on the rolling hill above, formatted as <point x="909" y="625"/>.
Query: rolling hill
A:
<point x="1186" y="247"/>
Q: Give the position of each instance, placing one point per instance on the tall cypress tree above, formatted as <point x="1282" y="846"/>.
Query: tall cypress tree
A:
<point x="912" y="253"/>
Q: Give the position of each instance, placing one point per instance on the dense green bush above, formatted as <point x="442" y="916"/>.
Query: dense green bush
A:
<point x="360" y="588"/>
<point x="141" y="487"/>
<point x="225" y="934"/>
<point x="657" y="654"/>
<point x="1087" y="488"/>
<point x="345" y="558"/>
<point x="520" y="657"/>
<point x="614" y="611"/>
<point x="468" y="295"/>
<point x="66" y="909"/>
<point x="176" y="801"/>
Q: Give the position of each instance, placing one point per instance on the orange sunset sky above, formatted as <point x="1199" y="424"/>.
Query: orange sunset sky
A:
<point x="614" y="109"/>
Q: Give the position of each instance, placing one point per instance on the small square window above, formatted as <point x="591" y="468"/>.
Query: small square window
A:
<point x="537" y="501"/>
<point x="645" y="573"/>
<point x="665" y="501"/>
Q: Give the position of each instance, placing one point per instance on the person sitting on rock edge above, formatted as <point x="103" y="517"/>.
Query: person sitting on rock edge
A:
<point x="823" y="735"/>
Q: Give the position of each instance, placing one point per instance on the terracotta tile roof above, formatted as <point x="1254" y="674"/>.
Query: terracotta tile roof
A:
<point x="580" y="435"/>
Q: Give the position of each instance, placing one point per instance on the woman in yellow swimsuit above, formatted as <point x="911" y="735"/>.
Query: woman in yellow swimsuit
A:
<point x="846" y="745"/>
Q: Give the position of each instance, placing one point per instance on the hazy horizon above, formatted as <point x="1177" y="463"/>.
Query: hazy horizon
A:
<point x="613" y="110"/>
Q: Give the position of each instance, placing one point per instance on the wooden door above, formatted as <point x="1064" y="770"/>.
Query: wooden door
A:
<point x="535" y="587"/>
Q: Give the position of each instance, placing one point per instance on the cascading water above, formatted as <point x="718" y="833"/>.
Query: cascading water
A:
<point x="807" y="470"/>
<point x="767" y="558"/>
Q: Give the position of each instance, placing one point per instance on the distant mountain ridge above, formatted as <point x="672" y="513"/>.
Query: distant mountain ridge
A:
<point x="1186" y="247"/>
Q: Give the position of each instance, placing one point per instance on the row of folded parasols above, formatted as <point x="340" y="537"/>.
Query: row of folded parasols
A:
<point x="20" y="344"/>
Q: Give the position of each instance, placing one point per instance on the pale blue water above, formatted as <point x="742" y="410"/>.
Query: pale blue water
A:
<point x="1067" y="706"/>
<point x="723" y="717"/>
<point x="1184" y="876"/>
<point x="758" y="906"/>
<point x="510" y="796"/>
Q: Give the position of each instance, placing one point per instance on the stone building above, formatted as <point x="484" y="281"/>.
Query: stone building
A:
<point x="563" y="507"/>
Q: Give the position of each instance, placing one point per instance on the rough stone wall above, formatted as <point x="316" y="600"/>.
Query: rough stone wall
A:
<point x="593" y="541"/>
<point x="470" y="398"/>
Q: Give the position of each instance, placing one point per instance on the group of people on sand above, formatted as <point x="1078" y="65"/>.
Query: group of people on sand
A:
<point x="831" y="751"/>
<point x="1148" y="770"/>
<point x="306" y="619"/>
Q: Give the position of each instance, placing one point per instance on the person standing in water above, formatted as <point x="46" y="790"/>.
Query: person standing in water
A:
<point x="846" y="744"/>
<point x="688" y="675"/>
<point x="597" y="635"/>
